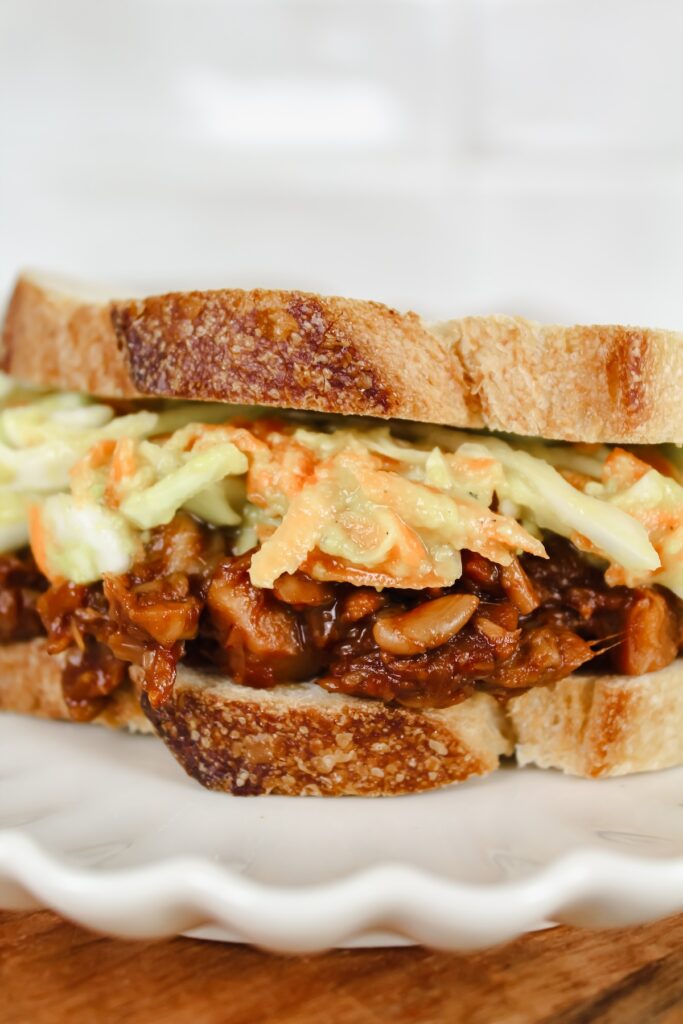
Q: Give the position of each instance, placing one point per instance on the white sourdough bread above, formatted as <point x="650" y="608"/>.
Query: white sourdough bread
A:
<point x="602" y="725"/>
<point x="304" y="351"/>
<point x="30" y="684"/>
<point x="295" y="350"/>
<point x="301" y="740"/>
<point x="292" y="740"/>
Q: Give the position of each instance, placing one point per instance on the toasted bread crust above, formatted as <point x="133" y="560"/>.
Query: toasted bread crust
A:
<point x="301" y="740"/>
<point x="274" y="348"/>
<point x="293" y="740"/>
<point x="286" y="349"/>
<point x="302" y="351"/>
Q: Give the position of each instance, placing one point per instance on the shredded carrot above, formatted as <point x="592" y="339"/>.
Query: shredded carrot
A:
<point x="333" y="569"/>
<point x="94" y="458"/>
<point x="123" y="460"/>
<point x="122" y="467"/>
<point x="652" y="455"/>
<point x="100" y="453"/>
<point x="624" y="467"/>
<point x="247" y="442"/>
<point x="38" y="541"/>
<point x="584" y="544"/>
<point x="576" y="479"/>
<point x="282" y="470"/>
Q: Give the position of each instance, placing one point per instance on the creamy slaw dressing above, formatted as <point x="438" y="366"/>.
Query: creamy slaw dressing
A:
<point x="388" y="505"/>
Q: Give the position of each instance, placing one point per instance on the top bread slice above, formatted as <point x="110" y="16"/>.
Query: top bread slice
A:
<point x="303" y="351"/>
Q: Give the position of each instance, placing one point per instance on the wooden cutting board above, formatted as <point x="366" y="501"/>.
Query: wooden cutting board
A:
<point x="52" y="972"/>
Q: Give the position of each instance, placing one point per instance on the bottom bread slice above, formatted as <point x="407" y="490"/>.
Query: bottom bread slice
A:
<point x="602" y="725"/>
<point x="299" y="739"/>
<point x="31" y="684"/>
<point x="295" y="739"/>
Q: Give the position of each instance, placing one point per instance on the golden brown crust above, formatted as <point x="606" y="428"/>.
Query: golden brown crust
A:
<point x="288" y="349"/>
<point x="303" y="351"/>
<point x="294" y="740"/>
<point x="584" y="383"/>
<point x="30" y="684"/>
<point x="274" y="348"/>
<point x="602" y="725"/>
<point x="301" y="740"/>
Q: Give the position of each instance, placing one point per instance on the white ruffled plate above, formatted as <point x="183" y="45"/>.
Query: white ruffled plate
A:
<point x="107" y="830"/>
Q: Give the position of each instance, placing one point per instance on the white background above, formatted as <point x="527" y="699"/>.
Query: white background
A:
<point x="467" y="156"/>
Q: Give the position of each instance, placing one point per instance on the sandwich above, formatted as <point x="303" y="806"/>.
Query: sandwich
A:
<point x="317" y="546"/>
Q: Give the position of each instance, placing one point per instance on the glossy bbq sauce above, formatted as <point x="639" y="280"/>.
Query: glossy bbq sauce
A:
<point x="526" y="625"/>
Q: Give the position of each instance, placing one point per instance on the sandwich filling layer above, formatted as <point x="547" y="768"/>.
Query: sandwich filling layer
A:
<point x="398" y="562"/>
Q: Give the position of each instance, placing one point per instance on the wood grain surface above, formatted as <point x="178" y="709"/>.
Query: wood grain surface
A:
<point x="52" y="972"/>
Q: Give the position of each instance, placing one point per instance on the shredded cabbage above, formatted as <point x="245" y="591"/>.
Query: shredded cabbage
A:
<point x="396" y="502"/>
<point x="83" y="540"/>
<point x="556" y="505"/>
<point x="158" y="504"/>
<point x="14" y="520"/>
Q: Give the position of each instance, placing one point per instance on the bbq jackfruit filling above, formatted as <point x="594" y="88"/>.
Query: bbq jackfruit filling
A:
<point x="397" y="561"/>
